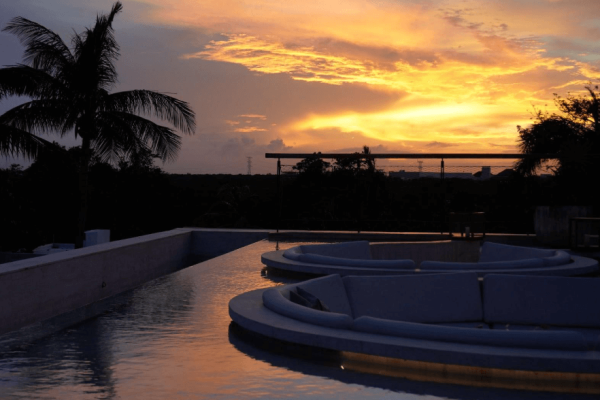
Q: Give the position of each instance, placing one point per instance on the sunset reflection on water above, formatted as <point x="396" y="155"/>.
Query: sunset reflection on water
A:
<point x="173" y="338"/>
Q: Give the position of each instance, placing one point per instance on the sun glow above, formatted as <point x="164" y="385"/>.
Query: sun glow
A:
<point x="463" y="72"/>
<point x="409" y="124"/>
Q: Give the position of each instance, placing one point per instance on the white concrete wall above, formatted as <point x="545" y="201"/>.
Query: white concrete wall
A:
<point x="40" y="288"/>
<point x="36" y="289"/>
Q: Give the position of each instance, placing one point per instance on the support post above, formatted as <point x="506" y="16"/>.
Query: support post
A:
<point x="443" y="208"/>
<point x="278" y="193"/>
<point x="442" y="172"/>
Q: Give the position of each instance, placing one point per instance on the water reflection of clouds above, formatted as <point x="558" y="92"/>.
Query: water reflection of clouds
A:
<point x="81" y="359"/>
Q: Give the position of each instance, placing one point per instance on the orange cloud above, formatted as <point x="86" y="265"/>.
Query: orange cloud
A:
<point x="250" y="129"/>
<point x="470" y="68"/>
<point x="261" y="117"/>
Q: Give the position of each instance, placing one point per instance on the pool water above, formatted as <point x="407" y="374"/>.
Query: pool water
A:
<point x="173" y="339"/>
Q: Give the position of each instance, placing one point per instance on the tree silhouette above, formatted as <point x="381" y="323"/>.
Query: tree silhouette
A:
<point x="355" y="163"/>
<point x="69" y="88"/>
<point x="312" y="166"/>
<point x="369" y="162"/>
<point x="16" y="142"/>
<point x="573" y="136"/>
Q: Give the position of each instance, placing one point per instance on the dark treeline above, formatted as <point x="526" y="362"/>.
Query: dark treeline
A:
<point x="350" y="196"/>
<point x="133" y="198"/>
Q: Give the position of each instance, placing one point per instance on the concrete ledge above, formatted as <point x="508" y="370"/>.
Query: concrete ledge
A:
<point x="37" y="289"/>
<point x="12" y="257"/>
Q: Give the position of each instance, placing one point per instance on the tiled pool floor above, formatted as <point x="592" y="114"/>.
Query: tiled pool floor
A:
<point x="171" y="339"/>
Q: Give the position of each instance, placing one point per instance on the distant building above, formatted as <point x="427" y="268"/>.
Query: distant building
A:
<point x="96" y="236"/>
<point x="53" y="248"/>
<point x="92" y="238"/>
<point x="484" y="174"/>
<point x="402" y="174"/>
<point x="507" y="173"/>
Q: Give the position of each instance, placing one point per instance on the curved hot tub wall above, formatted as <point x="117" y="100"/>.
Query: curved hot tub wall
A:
<point x="419" y="333"/>
<point x="495" y="265"/>
<point x="459" y="250"/>
<point x="350" y="262"/>
<point x="358" y="250"/>
<point x="348" y="254"/>
<point x="275" y="301"/>
<point x="352" y="258"/>
<point x="553" y="340"/>
<point x="559" y="258"/>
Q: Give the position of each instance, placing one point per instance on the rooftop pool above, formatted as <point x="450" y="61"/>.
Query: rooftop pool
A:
<point x="172" y="338"/>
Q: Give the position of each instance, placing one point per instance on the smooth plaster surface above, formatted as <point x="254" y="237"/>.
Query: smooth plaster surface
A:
<point x="36" y="289"/>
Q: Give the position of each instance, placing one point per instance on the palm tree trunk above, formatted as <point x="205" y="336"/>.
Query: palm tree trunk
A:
<point x="84" y="164"/>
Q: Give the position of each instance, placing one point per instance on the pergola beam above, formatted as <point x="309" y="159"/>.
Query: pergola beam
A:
<point x="411" y="155"/>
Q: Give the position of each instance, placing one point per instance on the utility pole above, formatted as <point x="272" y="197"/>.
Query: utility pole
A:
<point x="249" y="165"/>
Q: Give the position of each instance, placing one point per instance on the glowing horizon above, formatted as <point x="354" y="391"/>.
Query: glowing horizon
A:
<point x="403" y="75"/>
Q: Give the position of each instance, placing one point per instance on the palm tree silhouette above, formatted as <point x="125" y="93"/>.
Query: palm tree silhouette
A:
<point x="15" y="142"/>
<point x="69" y="88"/>
<point x="369" y="160"/>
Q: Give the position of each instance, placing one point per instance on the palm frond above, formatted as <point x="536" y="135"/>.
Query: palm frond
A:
<point x="120" y="132"/>
<point x="22" y="80"/>
<point x="38" y="116"/>
<point x="16" y="142"/>
<point x="44" y="49"/>
<point x="96" y="51"/>
<point x="160" y="105"/>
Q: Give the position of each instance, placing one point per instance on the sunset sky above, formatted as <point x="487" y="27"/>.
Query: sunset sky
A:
<point x="331" y="76"/>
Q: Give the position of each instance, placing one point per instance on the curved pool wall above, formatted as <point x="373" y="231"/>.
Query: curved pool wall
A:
<point x="574" y="371"/>
<point x="460" y="251"/>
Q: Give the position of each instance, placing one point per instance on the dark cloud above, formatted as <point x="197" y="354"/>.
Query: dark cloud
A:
<point x="380" y="56"/>
<point x="278" y="146"/>
<point x="541" y="80"/>
<point x="456" y="17"/>
<point x="246" y="140"/>
<point x="440" y="144"/>
<point x="232" y="147"/>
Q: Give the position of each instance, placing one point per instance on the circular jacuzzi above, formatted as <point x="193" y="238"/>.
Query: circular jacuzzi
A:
<point x="516" y="331"/>
<point x="402" y="258"/>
